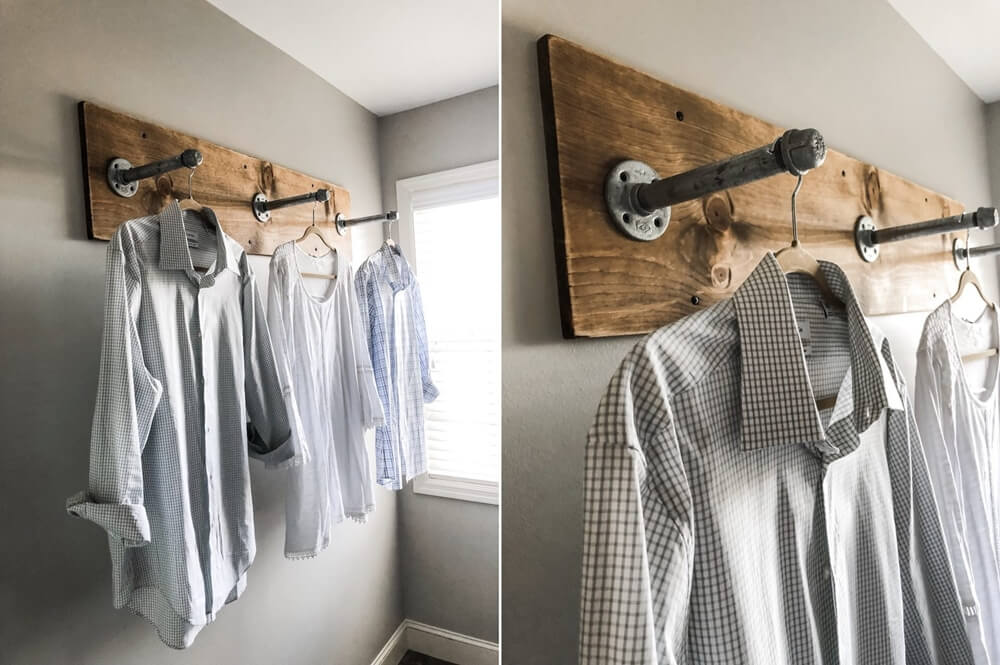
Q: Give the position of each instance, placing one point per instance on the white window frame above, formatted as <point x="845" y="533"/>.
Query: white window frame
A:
<point x="465" y="183"/>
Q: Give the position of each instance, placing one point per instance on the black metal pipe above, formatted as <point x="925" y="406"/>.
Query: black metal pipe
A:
<point x="390" y="216"/>
<point x="319" y="196"/>
<point x="984" y="250"/>
<point x="189" y="158"/>
<point x="984" y="218"/>
<point x="796" y="152"/>
<point x="384" y="217"/>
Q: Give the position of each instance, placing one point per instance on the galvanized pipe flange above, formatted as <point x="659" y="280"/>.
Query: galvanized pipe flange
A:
<point x="863" y="230"/>
<point x="629" y="216"/>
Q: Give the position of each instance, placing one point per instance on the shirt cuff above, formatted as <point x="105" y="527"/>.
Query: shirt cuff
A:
<point x="289" y="453"/>
<point x="430" y="392"/>
<point x="125" y="521"/>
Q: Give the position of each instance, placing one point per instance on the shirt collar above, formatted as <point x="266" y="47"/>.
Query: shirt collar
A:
<point x="777" y="402"/>
<point x="174" y="253"/>
<point x="393" y="266"/>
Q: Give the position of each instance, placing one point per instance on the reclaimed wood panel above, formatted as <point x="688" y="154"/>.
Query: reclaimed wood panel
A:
<point x="598" y="112"/>
<point x="226" y="182"/>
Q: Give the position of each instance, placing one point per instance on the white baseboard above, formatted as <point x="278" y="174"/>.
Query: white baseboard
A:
<point x="394" y="649"/>
<point x="437" y="643"/>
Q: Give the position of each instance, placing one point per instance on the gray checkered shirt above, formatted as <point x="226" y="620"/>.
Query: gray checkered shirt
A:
<point x="727" y="520"/>
<point x="186" y="365"/>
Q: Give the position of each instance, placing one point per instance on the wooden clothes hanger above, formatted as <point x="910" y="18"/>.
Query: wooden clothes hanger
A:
<point x="795" y="259"/>
<point x="968" y="277"/>
<point x="317" y="250"/>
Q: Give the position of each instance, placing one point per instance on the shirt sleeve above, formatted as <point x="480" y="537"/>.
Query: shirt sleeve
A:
<point x="269" y="434"/>
<point x="429" y="389"/>
<point x="278" y="326"/>
<point x="372" y="414"/>
<point x="934" y="624"/>
<point x="637" y="539"/>
<point x="127" y="399"/>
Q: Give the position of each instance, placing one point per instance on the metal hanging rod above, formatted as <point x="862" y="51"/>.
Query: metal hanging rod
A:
<point x="343" y="223"/>
<point x="639" y="200"/>
<point x="123" y="178"/>
<point x="867" y="238"/>
<point x="961" y="253"/>
<point x="262" y="207"/>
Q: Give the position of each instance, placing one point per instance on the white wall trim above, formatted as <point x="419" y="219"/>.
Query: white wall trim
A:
<point x="394" y="649"/>
<point x="437" y="643"/>
<point x="466" y="489"/>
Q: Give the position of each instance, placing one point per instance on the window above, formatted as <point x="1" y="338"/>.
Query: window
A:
<point x="450" y="232"/>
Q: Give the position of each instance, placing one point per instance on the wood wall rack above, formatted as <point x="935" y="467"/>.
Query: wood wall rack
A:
<point x="598" y="113"/>
<point x="226" y="181"/>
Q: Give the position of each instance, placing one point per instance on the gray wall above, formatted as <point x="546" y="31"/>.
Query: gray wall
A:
<point x="854" y="69"/>
<point x="993" y="140"/>
<point x="448" y="548"/>
<point x="185" y="65"/>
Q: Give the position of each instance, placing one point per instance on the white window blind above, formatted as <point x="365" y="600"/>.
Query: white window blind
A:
<point x="454" y="228"/>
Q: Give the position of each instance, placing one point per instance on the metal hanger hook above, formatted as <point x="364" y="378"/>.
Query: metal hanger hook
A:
<point x="795" y="221"/>
<point x="968" y="257"/>
<point x="190" y="183"/>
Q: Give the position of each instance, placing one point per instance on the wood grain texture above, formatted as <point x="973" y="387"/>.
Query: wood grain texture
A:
<point x="225" y="182"/>
<point x="598" y="112"/>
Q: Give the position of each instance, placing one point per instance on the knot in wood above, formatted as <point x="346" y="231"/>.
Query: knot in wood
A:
<point x="719" y="212"/>
<point x="722" y="276"/>
<point x="873" y="191"/>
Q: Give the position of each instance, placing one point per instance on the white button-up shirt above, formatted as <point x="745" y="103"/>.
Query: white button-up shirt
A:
<point x="960" y="432"/>
<point x="187" y="389"/>
<point x="728" y="520"/>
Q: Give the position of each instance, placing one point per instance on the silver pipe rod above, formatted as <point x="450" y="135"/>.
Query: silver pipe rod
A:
<point x="384" y="217"/>
<point x="796" y="152"/>
<point x="984" y="218"/>
<point x="189" y="158"/>
<point x="984" y="250"/>
<point x="319" y="196"/>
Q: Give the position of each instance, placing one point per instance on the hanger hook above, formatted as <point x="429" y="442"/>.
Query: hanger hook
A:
<point x="190" y="185"/>
<point x="968" y="261"/>
<point x="795" y="221"/>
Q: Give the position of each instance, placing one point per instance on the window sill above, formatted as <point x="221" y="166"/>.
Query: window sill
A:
<point x="463" y="489"/>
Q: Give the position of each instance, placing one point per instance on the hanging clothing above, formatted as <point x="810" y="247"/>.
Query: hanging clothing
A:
<point x="726" y="519"/>
<point x="393" y="316"/>
<point x="959" y="431"/>
<point x="186" y="362"/>
<point x="321" y="349"/>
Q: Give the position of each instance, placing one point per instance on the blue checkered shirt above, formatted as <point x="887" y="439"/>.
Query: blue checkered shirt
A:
<point x="393" y="316"/>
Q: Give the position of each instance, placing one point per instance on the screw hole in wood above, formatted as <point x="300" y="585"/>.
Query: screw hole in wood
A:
<point x="695" y="300"/>
<point x="680" y="115"/>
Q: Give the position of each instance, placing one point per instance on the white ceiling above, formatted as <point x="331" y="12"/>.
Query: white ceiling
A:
<point x="388" y="55"/>
<point x="964" y="34"/>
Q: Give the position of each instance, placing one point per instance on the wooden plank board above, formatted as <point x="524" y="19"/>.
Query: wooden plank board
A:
<point x="598" y="112"/>
<point x="226" y="182"/>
